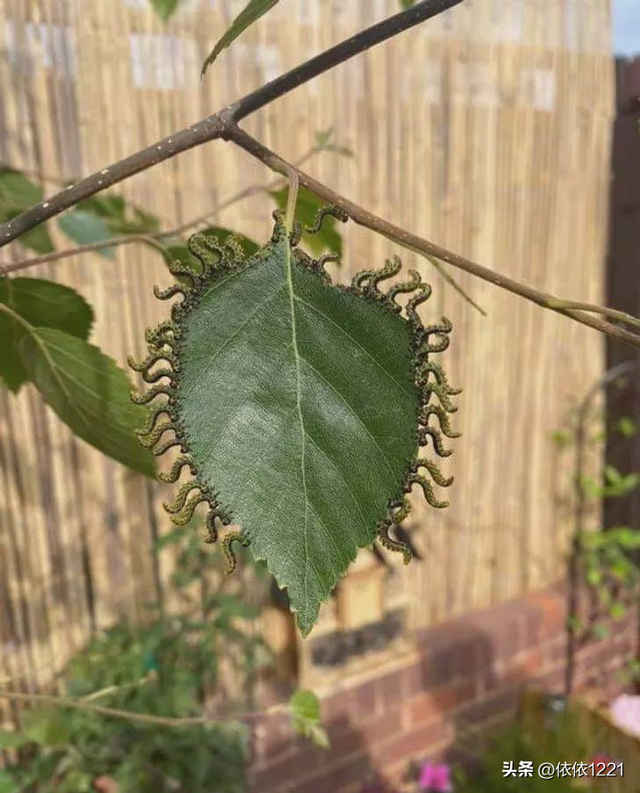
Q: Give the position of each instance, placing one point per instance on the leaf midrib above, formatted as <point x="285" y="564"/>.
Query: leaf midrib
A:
<point x="297" y="358"/>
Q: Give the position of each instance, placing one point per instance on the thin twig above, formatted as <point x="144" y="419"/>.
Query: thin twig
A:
<point x="614" y="313"/>
<point x="422" y="246"/>
<point x="130" y="715"/>
<point x="214" y="126"/>
<point x="126" y="239"/>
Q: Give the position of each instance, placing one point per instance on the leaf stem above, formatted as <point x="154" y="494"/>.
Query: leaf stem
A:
<point x="292" y="197"/>
<point x="614" y="313"/>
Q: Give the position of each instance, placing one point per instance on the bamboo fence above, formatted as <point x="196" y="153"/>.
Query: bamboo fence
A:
<point x="486" y="130"/>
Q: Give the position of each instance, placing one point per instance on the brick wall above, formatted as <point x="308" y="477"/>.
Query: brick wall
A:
<point x="467" y="672"/>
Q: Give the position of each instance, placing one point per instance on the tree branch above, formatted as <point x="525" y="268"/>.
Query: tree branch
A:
<point x="214" y="126"/>
<point x="429" y="249"/>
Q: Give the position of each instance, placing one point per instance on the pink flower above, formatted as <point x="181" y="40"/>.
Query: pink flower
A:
<point x="436" y="778"/>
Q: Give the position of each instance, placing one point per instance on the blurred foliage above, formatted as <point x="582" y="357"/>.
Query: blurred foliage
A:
<point x="609" y="558"/>
<point x="552" y="734"/>
<point x="168" y="667"/>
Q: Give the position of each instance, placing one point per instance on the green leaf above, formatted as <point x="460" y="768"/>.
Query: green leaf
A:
<point x="88" y="391"/>
<point x="36" y="239"/>
<point x="12" y="740"/>
<point x="304" y="704"/>
<point x="45" y="726"/>
<point x="119" y="216"/>
<point x="307" y="207"/>
<point x="404" y="4"/>
<point x="85" y="228"/>
<point x="627" y="427"/>
<point x="298" y="403"/>
<point x="575" y="624"/>
<point x="562" y="438"/>
<point x="39" y="303"/>
<point x="626" y="537"/>
<point x="164" y="8"/>
<point x="8" y="783"/>
<point x="249" y="14"/>
<point x="305" y="717"/>
<point x="617" y="610"/>
<point x="17" y="193"/>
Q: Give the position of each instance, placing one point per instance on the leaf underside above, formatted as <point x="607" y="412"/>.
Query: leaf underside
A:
<point x="297" y="405"/>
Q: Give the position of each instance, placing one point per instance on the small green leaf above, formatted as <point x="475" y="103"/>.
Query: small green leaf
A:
<point x="89" y="392"/>
<point x="45" y="726"/>
<point x="39" y="303"/>
<point x="307" y="206"/>
<point x="617" y="610"/>
<point x="404" y="4"/>
<point x="627" y="427"/>
<point x="575" y="624"/>
<point x="164" y="8"/>
<point x="85" y="228"/>
<point x="626" y="537"/>
<point x="305" y="717"/>
<point x="304" y="704"/>
<point x="120" y="216"/>
<point x="18" y="193"/>
<point x="594" y="577"/>
<point x="612" y="475"/>
<point x="250" y="13"/>
<point x="12" y="740"/>
<point x="36" y="239"/>
<point x="590" y="487"/>
<point x="562" y="438"/>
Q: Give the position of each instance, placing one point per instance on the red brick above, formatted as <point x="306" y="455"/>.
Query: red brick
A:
<point x="337" y="707"/>
<point x="272" y="737"/>
<point x="502" y="703"/>
<point x="355" y="769"/>
<point x="418" y="741"/>
<point x="287" y="769"/>
<point x="522" y="668"/>
<point x="379" y="729"/>
<point x="552" y="679"/>
<point x="434" y="704"/>
<point x="556" y="650"/>
<point x="553" y="606"/>
<point x="391" y="689"/>
<point x="452" y="650"/>
<point x="366" y="701"/>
